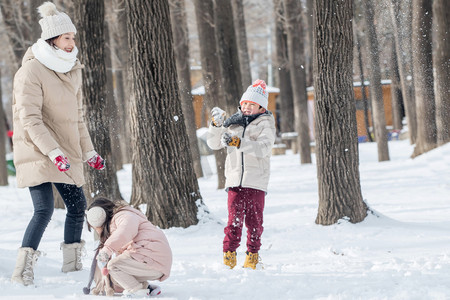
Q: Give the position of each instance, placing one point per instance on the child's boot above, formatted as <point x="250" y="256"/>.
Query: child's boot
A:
<point x="229" y="259"/>
<point x="251" y="260"/>
<point x="26" y="260"/>
<point x="72" y="256"/>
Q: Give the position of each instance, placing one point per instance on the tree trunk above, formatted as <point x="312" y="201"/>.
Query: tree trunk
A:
<point x="336" y="137"/>
<point x="3" y="167"/>
<point x="423" y="73"/>
<point x="396" y="91"/>
<point x="441" y="64"/>
<point x="241" y="36"/>
<point x="295" y="36"/>
<point x="204" y="12"/>
<point x="308" y="23"/>
<point x="181" y="48"/>
<point x="228" y="55"/>
<point x="401" y="20"/>
<point x="285" y="98"/>
<point x="89" y="17"/>
<point x="163" y="176"/>
<point x="363" y="88"/>
<point x="376" y="92"/>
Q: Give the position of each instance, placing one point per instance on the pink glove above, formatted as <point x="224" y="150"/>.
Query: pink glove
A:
<point x="62" y="163"/>
<point x="97" y="162"/>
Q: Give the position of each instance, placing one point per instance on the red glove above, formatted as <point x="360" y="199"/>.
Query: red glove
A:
<point x="62" y="163"/>
<point x="96" y="162"/>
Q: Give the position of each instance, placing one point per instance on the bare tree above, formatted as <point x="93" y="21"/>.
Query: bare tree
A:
<point x="295" y="37"/>
<point x="227" y="52"/>
<point x="441" y="65"/>
<point x="396" y="91"/>
<point x="401" y="21"/>
<point x="376" y="93"/>
<point x="336" y="137"/>
<point x="163" y="177"/>
<point x="423" y="73"/>
<point x="204" y="12"/>
<point x="89" y="18"/>
<point x="181" y="48"/>
<point x="241" y="37"/>
<point x="3" y="167"/>
<point x="285" y="98"/>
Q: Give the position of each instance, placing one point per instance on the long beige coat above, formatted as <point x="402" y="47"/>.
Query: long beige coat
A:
<point x="248" y="166"/>
<point x="48" y="114"/>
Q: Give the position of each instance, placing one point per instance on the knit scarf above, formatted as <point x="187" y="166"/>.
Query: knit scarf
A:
<point x="53" y="58"/>
<point x="240" y="119"/>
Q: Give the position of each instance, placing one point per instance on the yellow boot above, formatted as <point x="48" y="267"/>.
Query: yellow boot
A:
<point x="251" y="260"/>
<point x="229" y="259"/>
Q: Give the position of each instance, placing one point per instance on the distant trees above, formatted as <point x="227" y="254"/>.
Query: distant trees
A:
<point x="163" y="177"/>
<point x="336" y="139"/>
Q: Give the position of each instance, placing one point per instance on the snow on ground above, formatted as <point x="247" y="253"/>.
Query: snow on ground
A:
<point x="401" y="251"/>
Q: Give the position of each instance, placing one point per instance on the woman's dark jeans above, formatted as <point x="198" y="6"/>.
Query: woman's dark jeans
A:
<point x="43" y="202"/>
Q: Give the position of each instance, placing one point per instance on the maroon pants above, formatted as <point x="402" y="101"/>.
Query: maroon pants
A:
<point x="244" y="204"/>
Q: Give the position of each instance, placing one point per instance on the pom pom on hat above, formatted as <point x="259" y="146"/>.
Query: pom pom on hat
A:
<point x="53" y="22"/>
<point x="96" y="216"/>
<point x="256" y="93"/>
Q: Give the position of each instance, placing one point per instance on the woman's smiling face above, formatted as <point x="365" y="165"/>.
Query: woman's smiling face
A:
<point x="66" y="41"/>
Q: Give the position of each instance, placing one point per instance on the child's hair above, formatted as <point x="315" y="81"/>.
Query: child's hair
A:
<point x="110" y="207"/>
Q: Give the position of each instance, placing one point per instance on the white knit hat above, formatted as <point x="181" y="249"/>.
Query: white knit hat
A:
<point x="256" y="93"/>
<point x="53" y="22"/>
<point x="96" y="216"/>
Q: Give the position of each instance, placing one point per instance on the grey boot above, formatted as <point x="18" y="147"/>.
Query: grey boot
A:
<point x="72" y="256"/>
<point x="26" y="260"/>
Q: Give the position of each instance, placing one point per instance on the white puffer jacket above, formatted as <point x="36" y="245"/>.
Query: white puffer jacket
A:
<point x="248" y="166"/>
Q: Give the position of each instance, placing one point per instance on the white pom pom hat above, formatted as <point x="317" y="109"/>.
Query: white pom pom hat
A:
<point x="96" y="216"/>
<point x="53" y="22"/>
<point x="256" y="93"/>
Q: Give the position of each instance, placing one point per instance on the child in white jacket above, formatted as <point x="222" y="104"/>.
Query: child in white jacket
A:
<point x="249" y="136"/>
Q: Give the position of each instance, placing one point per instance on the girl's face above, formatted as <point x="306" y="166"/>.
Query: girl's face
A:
<point x="251" y="108"/>
<point x="65" y="41"/>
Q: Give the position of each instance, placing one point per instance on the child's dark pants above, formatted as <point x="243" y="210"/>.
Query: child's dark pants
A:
<point x="244" y="204"/>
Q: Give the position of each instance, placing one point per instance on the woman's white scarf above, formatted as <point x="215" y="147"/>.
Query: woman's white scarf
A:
<point x="53" y="58"/>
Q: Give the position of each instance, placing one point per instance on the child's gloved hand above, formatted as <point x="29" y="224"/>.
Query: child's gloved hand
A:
<point x="229" y="140"/>
<point x="102" y="257"/>
<point x="217" y="116"/>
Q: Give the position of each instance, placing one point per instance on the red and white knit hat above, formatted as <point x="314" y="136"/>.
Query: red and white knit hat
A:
<point x="256" y="93"/>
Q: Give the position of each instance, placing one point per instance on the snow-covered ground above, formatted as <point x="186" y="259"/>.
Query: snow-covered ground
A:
<point x="402" y="251"/>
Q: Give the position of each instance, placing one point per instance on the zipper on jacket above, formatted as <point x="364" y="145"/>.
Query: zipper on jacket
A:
<point x="242" y="158"/>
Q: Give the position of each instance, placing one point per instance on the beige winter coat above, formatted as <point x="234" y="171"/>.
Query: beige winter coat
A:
<point x="48" y="114"/>
<point x="248" y="166"/>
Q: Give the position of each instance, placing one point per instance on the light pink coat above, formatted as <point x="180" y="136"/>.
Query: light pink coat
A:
<point x="132" y="232"/>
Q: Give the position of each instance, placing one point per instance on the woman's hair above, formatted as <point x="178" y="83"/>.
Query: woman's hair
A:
<point x="110" y="207"/>
<point x="51" y="41"/>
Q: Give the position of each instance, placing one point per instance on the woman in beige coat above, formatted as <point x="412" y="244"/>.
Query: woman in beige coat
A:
<point x="51" y="140"/>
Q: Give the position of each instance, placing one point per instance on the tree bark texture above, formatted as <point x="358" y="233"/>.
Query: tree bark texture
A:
<point x="376" y="93"/>
<point x="423" y="73"/>
<point x="441" y="65"/>
<point x="204" y="13"/>
<point x="163" y="176"/>
<point x="401" y="20"/>
<point x="181" y="48"/>
<point x="286" y="97"/>
<point x="241" y="36"/>
<point x="227" y="52"/>
<point x="295" y="35"/>
<point x="89" y="20"/>
<point x="3" y="167"/>
<point x="336" y="134"/>
<point x="396" y="91"/>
